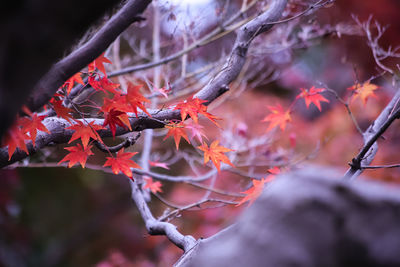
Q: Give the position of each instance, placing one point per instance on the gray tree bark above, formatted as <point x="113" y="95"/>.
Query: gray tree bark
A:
<point x="310" y="218"/>
<point x="36" y="34"/>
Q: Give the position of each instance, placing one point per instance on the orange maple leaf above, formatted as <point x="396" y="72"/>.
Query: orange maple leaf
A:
<point x="209" y="116"/>
<point x="99" y="64"/>
<point x="77" y="154"/>
<point x="135" y="99"/>
<point x="61" y="111"/>
<point x="15" y="138"/>
<point x="153" y="186"/>
<point x="32" y="125"/>
<point x="116" y="117"/>
<point x="70" y="82"/>
<point x="177" y="130"/>
<point x="216" y="153"/>
<point x="192" y="107"/>
<point x="278" y="117"/>
<point x="253" y="192"/>
<point x="364" y="91"/>
<point x="312" y="96"/>
<point x="122" y="163"/>
<point x="258" y="185"/>
<point x="85" y="132"/>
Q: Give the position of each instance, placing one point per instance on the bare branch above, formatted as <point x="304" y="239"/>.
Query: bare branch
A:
<point x="30" y="46"/>
<point x="346" y="105"/>
<point x="81" y="57"/>
<point x="381" y="167"/>
<point x="388" y="115"/>
<point x="194" y="205"/>
<point x="217" y="86"/>
<point x="157" y="227"/>
<point x="378" y="52"/>
<point x="127" y="143"/>
<point x="199" y="43"/>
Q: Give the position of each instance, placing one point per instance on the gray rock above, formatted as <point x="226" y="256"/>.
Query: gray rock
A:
<point x="310" y="218"/>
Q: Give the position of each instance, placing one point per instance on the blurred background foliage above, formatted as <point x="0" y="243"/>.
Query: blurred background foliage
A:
<point x="76" y="217"/>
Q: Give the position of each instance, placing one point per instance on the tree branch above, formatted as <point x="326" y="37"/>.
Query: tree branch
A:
<point x="29" y="47"/>
<point x="197" y="204"/>
<point x="217" y="86"/>
<point x="156" y="227"/>
<point x="199" y="43"/>
<point x="81" y="57"/>
<point x="371" y="135"/>
<point x="127" y="143"/>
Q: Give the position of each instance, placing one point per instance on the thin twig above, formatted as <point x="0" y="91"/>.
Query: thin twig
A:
<point x="130" y="141"/>
<point x="347" y="106"/>
<point x="193" y="205"/>
<point x="371" y="135"/>
<point x="381" y="167"/>
<point x="158" y="227"/>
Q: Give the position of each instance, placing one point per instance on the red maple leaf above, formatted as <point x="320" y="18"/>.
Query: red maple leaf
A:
<point x="192" y="107"/>
<point x="278" y="117"/>
<point x="164" y="91"/>
<point x="61" y="111"/>
<point x="153" y="186"/>
<point x="85" y="132"/>
<point x="177" y="130"/>
<point x="26" y="110"/>
<point x="253" y="192"/>
<point x="95" y="83"/>
<point x="70" y="82"/>
<point x="32" y="125"/>
<point x="118" y="102"/>
<point x="135" y="99"/>
<point x="109" y="86"/>
<point x="363" y="91"/>
<point x="116" y="117"/>
<point x="122" y="163"/>
<point x="77" y="154"/>
<point x="99" y="64"/>
<point x="159" y="164"/>
<point x="15" y="138"/>
<point x="103" y="84"/>
<point x="196" y="131"/>
<point x="216" y="153"/>
<point x="312" y="96"/>
<point x="273" y="172"/>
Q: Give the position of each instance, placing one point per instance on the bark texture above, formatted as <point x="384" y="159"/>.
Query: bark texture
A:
<point x="34" y="34"/>
<point x="310" y="218"/>
<point x="217" y="85"/>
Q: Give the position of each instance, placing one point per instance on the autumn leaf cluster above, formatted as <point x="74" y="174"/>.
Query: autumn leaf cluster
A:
<point x="120" y="105"/>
